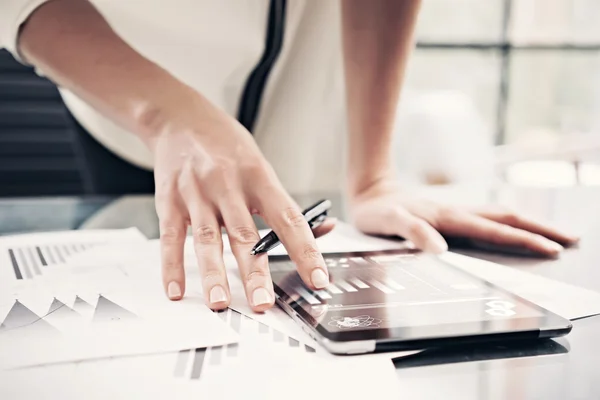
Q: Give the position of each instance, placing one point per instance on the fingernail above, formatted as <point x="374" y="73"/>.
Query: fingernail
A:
<point x="319" y="278"/>
<point x="173" y="290"/>
<point x="261" y="296"/>
<point x="574" y="239"/>
<point x="552" y="247"/>
<point x="217" y="294"/>
<point x="437" y="246"/>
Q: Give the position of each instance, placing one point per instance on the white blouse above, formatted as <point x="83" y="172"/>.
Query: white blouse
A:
<point x="213" y="46"/>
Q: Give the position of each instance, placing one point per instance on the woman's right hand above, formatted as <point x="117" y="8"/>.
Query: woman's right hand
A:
<point x="210" y="173"/>
<point x="208" y="170"/>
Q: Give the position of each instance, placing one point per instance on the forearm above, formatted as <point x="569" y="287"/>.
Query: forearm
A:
<point x="72" y="44"/>
<point x="377" y="40"/>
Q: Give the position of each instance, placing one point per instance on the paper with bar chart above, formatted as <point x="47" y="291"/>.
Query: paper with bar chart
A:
<point x="100" y="313"/>
<point x="196" y="363"/>
<point x="241" y="370"/>
<point x="30" y="256"/>
<point x="267" y="353"/>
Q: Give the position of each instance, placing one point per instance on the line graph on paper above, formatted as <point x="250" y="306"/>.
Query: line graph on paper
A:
<point x="59" y="316"/>
<point x="195" y="363"/>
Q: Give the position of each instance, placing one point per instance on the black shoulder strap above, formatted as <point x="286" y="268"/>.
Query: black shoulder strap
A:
<point x="255" y="85"/>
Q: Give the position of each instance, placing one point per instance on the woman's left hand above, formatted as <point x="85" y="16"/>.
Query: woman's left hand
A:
<point x="384" y="209"/>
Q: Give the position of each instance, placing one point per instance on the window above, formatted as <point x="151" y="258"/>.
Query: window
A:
<point x="529" y="67"/>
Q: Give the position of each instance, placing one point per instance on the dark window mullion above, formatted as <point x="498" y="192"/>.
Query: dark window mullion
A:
<point x="503" y="90"/>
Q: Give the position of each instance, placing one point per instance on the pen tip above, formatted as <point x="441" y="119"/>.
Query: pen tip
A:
<point x="253" y="253"/>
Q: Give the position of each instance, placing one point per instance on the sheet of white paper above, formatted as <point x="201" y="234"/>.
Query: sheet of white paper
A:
<point x="266" y="364"/>
<point x="75" y="314"/>
<point x="89" y="380"/>
<point x="261" y="374"/>
<point x="566" y="300"/>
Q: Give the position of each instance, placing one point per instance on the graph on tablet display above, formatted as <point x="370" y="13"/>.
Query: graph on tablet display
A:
<point x="395" y="290"/>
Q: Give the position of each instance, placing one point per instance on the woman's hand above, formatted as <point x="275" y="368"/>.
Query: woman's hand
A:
<point x="384" y="209"/>
<point x="210" y="173"/>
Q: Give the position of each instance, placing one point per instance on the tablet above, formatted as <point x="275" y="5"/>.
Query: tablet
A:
<point x="405" y="299"/>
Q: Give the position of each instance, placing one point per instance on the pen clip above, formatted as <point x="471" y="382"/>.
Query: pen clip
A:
<point x="318" y="220"/>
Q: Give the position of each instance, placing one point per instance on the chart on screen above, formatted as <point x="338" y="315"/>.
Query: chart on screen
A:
<point x="384" y="278"/>
<point x="395" y="290"/>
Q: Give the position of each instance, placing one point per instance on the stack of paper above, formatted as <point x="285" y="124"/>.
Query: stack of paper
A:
<point x="52" y="313"/>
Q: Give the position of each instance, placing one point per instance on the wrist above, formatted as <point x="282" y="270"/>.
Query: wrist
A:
<point x="369" y="158"/>
<point x="360" y="182"/>
<point x="167" y="112"/>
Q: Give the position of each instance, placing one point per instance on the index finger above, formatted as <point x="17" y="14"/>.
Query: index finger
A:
<point x="173" y="230"/>
<point x="286" y="219"/>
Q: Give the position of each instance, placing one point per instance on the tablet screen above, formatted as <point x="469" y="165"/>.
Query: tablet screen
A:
<point x="402" y="290"/>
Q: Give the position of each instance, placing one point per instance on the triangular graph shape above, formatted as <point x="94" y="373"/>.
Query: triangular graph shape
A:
<point x="107" y="311"/>
<point x="56" y="305"/>
<point x="83" y="308"/>
<point x="81" y="304"/>
<point x="21" y="317"/>
<point x="60" y="309"/>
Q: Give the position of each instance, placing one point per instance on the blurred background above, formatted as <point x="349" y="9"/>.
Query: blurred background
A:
<point x="520" y="75"/>
<point x="497" y="90"/>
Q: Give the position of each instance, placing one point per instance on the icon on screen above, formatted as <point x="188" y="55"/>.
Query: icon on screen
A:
<point x="362" y="321"/>
<point x="500" y="308"/>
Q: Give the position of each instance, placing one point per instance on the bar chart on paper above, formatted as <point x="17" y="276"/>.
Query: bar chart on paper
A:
<point x="29" y="256"/>
<point x="194" y="364"/>
<point x="28" y="262"/>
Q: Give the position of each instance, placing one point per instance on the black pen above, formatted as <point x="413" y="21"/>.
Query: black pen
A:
<point x="315" y="215"/>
